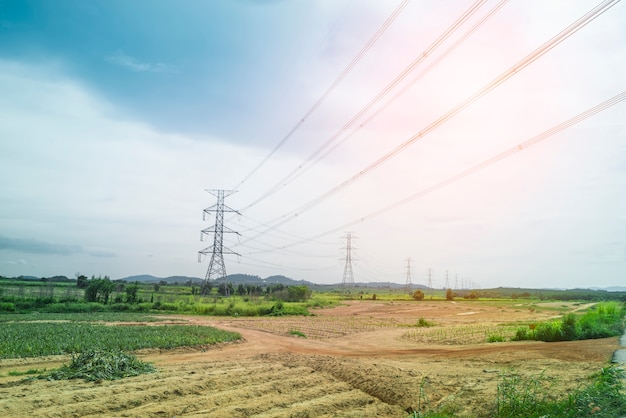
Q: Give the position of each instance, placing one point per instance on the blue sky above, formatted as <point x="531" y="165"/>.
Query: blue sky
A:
<point x="115" y="116"/>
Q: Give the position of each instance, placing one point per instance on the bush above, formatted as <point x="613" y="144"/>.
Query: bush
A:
<point x="7" y="307"/>
<point x="605" y="321"/>
<point x="424" y="323"/>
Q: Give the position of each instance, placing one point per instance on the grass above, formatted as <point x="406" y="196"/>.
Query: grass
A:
<point x="532" y="397"/>
<point x="26" y="373"/>
<point x="421" y="322"/>
<point x="27" y="339"/>
<point x="604" y="320"/>
<point x="297" y="333"/>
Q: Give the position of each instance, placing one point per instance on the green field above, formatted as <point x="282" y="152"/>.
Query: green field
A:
<point x="34" y="339"/>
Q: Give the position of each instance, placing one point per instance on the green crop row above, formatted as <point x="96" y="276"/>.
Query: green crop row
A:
<point x="77" y="317"/>
<point x="24" y="339"/>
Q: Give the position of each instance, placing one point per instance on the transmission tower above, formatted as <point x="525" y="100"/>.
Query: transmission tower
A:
<point x="447" y="286"/>
<point x="348" y="275"/>
<point x="217" y="268"/>
<point x="408" y="276"/>
<point x="430" y="279"/>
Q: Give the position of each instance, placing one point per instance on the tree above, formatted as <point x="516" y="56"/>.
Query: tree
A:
<point x="449" y="294"/>
<point x="298" y="293"/>
<point x="99" y="290"/>
<point x="225" y="289"/>
<point x="131" y="293"/>
<point x="241" y="289"/>
<point x="82" y="282"/>
<point x="418" y="295"/>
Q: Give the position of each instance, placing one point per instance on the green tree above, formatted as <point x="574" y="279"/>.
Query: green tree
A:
<point x="82" y="281"/>
<point x="225" y="289"/>
<point x="131" y="293"/>
<point x="99" y="290"/>
<point x="298" y="293"/>
<point x="241" y="290"/>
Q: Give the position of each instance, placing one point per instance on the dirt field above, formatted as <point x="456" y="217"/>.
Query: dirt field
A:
<point x="365" y="358"/>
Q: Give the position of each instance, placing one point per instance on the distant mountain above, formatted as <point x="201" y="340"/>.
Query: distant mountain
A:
<point x="232" y="278"/>
<point x="147" y="278"/>
<point x="610" y="288"/>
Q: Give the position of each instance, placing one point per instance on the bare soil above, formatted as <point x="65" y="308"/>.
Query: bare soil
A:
<point x="358" y="359"/>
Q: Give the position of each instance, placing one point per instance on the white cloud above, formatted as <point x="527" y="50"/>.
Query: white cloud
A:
<point x="134" y="64"/>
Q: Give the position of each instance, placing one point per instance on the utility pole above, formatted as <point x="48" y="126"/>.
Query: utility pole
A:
<point x="348" y="275"/>
<point x="217" y="268"/>
<point x="408" y="276"/>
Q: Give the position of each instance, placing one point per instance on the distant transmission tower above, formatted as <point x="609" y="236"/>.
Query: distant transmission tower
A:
<point x="408" y="276"/>
<point x="217" y="268"/>
<point x="348" y="275"/>
<point x="430" y="278"/>
<point x="447" y="286"/>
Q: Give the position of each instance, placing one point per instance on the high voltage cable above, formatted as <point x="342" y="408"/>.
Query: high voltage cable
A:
<point x="539" y="52"/>
<point x="333" y="85"/>
<point x="430" y="66"/>
<point x="511" y="151"/>
<point x="261" y="224"/>
<point x="388" y="88"/>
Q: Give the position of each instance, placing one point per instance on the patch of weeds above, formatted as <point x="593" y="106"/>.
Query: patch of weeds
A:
<point x="531" y="397"/>
<point x="95" y="365"/>
<point x="297" y="333"/>
<point x="421" y="323"/>
<point x="494" y="338"/>
<point x="27" y="372"/>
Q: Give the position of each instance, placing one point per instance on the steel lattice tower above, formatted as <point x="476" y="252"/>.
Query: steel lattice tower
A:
<point x="217" y="268"/>
<point x="348" y="275"/>
<point x="408" y="276"/>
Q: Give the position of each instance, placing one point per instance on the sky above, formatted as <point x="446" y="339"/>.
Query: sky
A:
<point x="430" y="144"/>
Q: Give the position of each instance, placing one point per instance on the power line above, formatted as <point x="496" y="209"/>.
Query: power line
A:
<point x="333" y="85"/>
<point x="533" y="56"/>
<point x="418" y="76"/>
<point x="388" y="88"/>
<point x="478" y="167"/>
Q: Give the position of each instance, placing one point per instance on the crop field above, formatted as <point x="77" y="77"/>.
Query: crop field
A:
<point x="360" y="358"/>
<point x="34" y="339"/>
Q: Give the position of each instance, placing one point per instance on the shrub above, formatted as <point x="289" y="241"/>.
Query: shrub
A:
<point x="7" y="307"/>
<point x="424" y="323"/>
<point x="494" y="338"/>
